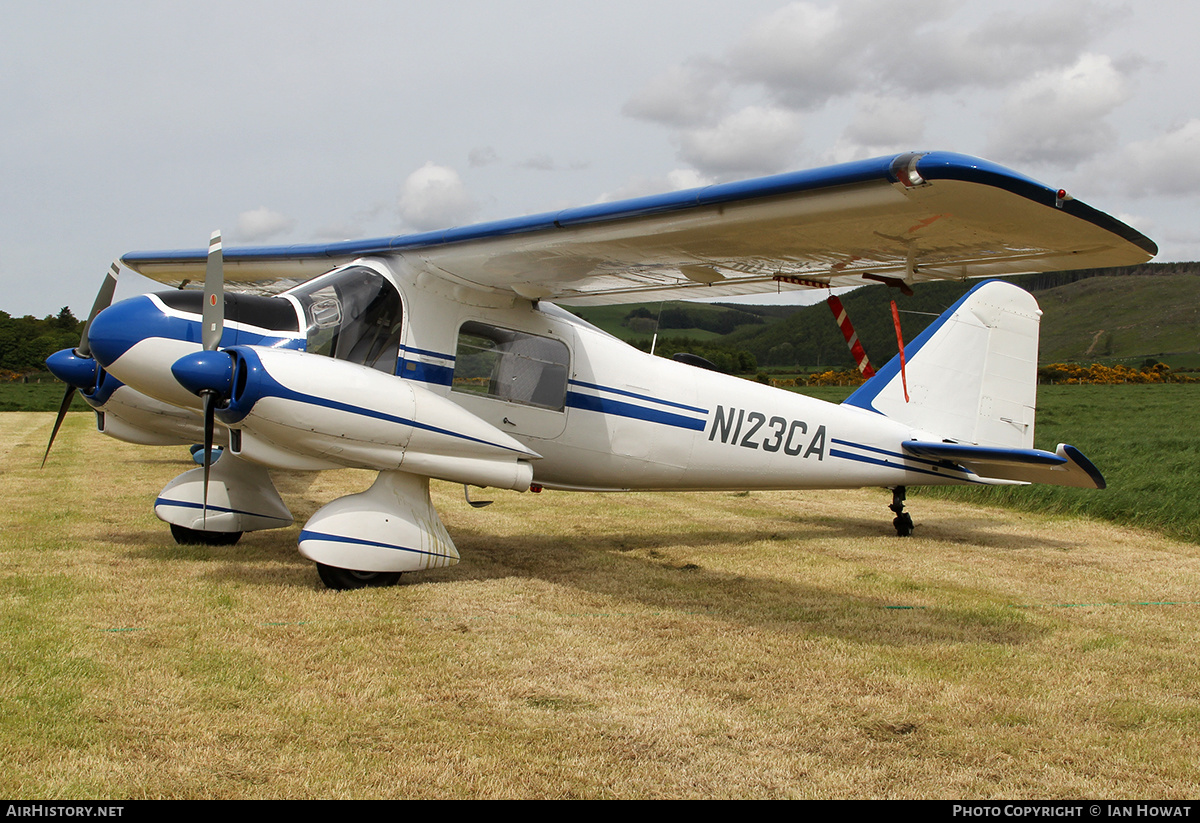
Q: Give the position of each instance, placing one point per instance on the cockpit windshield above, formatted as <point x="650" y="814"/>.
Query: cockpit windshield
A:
<point x="355" y="315"/>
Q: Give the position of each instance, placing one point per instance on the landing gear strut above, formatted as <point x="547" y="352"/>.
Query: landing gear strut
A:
<point x="903" y="520"/>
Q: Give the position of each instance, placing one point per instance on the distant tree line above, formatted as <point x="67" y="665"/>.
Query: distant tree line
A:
<point x="26" y="342"/>
<point x="726" y="358"/>
<point x="702" y="317"/>
<point x="1054" y="279"/>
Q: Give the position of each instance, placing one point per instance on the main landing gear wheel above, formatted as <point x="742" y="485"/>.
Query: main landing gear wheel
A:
<point x="341" y="579"/>
<point x="903" y="520"/>
<point x="194" y="537"/>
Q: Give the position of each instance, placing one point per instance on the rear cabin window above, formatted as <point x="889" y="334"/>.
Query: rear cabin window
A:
<point x="511" y="365"/>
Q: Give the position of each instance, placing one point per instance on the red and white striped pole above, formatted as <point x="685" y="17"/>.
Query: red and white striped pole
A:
<point x="856" y="349"/>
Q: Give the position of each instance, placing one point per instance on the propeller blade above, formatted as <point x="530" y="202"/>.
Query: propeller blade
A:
<point x="103" y="301"/>
<point x="210" y="410"/>
<point x="58" y="421"/>
<point x="214" y="295"/>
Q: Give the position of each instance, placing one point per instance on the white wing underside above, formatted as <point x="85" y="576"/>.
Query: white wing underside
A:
<point x="834" y="235"/>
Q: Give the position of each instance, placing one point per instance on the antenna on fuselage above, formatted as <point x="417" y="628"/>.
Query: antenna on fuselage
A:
<point x="654" y="339"/>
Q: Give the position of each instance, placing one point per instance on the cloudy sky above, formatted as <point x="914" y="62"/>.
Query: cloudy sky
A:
<point x="145" y="125"/>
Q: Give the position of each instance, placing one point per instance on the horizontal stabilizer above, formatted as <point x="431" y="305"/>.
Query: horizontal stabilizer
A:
<point x="1065" y="467"/>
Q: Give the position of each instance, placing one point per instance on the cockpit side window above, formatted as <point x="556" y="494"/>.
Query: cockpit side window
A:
<point x="355" y="315"/>
<point x="511" y="365"/>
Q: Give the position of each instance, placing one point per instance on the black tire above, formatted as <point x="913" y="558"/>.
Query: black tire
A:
<point x="194" y="537"/>
<point x="904" y="524"/>
<point x="343" y="579"/>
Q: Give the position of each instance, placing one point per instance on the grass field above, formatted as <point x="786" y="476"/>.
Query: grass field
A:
<point x="655" y="645"/>
<point x="44" y="392"/>
<point x="1142" y="439"/>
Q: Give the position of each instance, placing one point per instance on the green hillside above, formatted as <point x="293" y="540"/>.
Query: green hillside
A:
<point x="637" y="322"/>
<point x="1103" y="315"/>
<point x="1129" y="318"/>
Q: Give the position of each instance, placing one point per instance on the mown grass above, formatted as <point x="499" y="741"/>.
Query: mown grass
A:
<point x="1142" y="439"/>
<point x="655" y="645"/>
<point x="38" y="392"/>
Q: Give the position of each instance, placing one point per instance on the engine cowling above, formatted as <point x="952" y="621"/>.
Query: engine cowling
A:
<point x="309" y="411"/>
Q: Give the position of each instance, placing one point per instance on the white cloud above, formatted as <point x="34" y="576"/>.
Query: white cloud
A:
<point x="1058" y="116"/>
<point x="754" y="140"/>
<point x="674" y="180"/>
<point x="689" y="94"/>
<point x="1168" y="164"/>
<point x="803" y="54"/>
<point x="258" y="225"/>
<point x="925" y="55"/>
<point x="882" y="125"/>
<point x="680" y="179"/>
<point x="811" y="58"/>
<point x="434" y="197"/>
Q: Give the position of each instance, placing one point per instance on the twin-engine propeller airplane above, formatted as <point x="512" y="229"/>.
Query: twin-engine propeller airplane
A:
<point x="440" y="355"/>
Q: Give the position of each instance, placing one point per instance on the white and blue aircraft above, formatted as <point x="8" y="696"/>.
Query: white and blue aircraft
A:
<point x="444" y="355"/>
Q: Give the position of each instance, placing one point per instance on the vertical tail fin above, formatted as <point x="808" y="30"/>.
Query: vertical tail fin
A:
<point x="972" y="374"/>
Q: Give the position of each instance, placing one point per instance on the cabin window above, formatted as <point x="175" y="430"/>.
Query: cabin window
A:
<point x="354" y="314"/>
<point x="511" y="365"/>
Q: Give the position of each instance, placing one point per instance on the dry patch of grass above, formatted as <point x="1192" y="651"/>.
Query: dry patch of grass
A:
<point x="653" y="645"/>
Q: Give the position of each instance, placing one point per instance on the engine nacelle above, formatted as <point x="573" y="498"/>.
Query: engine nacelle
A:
<point x="126" y="414"/>
<point x="325" y="413"/>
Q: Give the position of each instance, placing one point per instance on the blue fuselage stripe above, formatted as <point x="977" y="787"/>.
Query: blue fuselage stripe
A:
<point x="427" y="353"/>
<point x="637" y="396"/>
<point x="875" y="461"/>
<point x="378" y="415"/>
<point x="898" y="455"/>
<point x="589" y="402"/>
<point x="426" y="372"/>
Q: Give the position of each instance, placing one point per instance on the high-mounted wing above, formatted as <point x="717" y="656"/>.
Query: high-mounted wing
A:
<point x="907" y="218"/>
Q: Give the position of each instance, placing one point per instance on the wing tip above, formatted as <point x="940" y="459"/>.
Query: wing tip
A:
<point x="1077" y="457"/>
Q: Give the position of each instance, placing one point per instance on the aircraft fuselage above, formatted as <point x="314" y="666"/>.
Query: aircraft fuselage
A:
<point x="592" y="412"/>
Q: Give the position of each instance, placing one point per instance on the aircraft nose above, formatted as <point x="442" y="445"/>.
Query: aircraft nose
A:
<point x="116" y="329"/>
